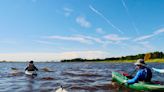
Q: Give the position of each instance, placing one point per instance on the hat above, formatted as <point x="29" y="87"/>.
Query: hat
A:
<point x="31" y="61"/>
<point x="140" y="62"/>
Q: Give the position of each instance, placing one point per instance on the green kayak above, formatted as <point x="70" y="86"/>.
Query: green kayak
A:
<point x="140" y="86"/>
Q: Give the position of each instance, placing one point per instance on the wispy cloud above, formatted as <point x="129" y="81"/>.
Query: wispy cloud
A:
<point x="90" y="40"/>
<point x="137" y="47"/>
<point x="100" y="30"/>
<point x="71" y="38"/>
<point x="128" y="13"/>
<point x="115" y="38"/>
<point x="79" y="38"/>
<point x="159" y="31"/>
<point x="67" y="11"/>
<point x="146" y="45"/>
<point x="93" y="39"/>
<point x="107" y="20"/>
<point x="83" y="22"/>
<point x="150" y="35"/>
<point x="111" y="39"/>
<point x="144" y="37"/>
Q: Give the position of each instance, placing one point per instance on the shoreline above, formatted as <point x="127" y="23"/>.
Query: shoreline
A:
<point x="123" y="61"/>
<point x="133" y="61"/>
<point x="108" y="61"/>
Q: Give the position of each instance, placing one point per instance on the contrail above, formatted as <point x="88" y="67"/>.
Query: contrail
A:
<point x="107" y="20"/>
<point x="127" y="11"/>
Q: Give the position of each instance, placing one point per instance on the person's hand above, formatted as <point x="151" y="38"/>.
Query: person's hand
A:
<point x="125" y="81"/>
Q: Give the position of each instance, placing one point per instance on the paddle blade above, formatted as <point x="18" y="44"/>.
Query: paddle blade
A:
<point x="158" y="70"/>
<point x="147" y="56"/>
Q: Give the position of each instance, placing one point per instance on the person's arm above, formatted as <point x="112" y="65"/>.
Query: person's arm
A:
<point x="26" y="68"/>
<point x="135" y="79"/>
<point x="35" y="68"/>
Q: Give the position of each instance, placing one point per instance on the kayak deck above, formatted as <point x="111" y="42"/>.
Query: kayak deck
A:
<point x="140" y="86"/>
<point x="30" y="72"/>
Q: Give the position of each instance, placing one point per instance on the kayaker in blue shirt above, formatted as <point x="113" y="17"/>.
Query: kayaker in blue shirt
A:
<point x="143" y="74"/>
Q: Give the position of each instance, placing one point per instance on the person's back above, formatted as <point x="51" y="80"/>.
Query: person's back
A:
<point x="31" y="67"/>
<point x="143" y="73"/>
<point x="148" y="75"/>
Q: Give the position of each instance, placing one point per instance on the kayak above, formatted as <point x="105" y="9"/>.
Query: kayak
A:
<point x="158" y="70"/>
<point x="140" y="86"/>
<point x="61" y="89"/>
<point x="30" y="72"/>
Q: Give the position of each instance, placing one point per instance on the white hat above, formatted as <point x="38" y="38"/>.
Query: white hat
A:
<point x="140" y="62"/>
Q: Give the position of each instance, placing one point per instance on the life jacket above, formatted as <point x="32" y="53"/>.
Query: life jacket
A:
<point x="31" y="67"/>
<point x="148" y="74"/>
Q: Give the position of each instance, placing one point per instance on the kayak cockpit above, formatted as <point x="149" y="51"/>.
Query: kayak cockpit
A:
<point x="119" y="77"/>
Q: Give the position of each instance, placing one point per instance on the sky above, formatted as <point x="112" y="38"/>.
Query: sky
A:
<point x="52" y="30"/>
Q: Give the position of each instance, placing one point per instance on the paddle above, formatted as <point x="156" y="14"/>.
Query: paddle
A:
<point x="158" y="70"/>
<point x="146" y="57"/>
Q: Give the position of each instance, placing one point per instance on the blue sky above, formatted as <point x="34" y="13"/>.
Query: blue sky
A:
<point x="63" y="29"/>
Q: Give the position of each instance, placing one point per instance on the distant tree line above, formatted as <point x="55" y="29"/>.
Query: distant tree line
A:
<point x="153" y="55"/>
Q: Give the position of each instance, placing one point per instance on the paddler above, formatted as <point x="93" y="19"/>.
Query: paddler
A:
<point x="143" y="74"/>
<point x="31" y="67"/>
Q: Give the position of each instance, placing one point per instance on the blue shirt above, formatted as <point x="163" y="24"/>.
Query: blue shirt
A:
<point x="143" y="74"/>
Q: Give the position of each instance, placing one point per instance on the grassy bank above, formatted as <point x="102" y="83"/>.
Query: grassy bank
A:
<point x="132" y="61"/>
<point x="156" y="60"/>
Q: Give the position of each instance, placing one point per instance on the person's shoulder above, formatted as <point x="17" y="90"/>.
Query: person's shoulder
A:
<point x="147" y="68"/>
<point x="141" y="70"/>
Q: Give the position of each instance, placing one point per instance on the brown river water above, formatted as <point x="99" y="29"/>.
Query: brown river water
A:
<point x="74" y="77"/>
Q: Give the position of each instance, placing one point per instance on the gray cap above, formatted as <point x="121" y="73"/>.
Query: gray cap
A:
<point x="140" y="62"/>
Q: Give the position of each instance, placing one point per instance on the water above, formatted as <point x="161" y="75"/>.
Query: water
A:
<point x="74" y="77"/>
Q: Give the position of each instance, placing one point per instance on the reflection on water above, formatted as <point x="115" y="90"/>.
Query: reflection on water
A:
<point x="74" y="77"/>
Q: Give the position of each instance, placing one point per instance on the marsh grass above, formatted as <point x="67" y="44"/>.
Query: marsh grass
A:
<point x="132" y="61"/>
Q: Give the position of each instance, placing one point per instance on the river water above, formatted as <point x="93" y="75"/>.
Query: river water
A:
<point x="74" y="77"/>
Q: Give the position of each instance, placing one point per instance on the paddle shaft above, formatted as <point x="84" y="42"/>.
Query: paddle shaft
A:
<point x="133" y="72"/>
